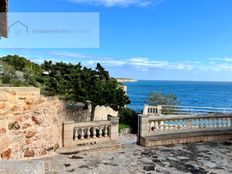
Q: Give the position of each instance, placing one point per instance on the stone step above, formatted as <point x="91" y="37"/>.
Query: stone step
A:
<point x="99" y="146"/>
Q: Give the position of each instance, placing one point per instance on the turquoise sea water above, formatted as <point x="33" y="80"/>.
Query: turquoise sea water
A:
<point x="209" y="94"/>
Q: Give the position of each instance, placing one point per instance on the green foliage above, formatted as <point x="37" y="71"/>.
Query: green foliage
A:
<point x="70" y="81"/>
<point x="21" y="64"/>
<point x="78" y="84"/>
<point x="128" y="117"/>
<point x="160" y="98"/>
<point x="123" y="126"/>
<point x="18" y="71"/>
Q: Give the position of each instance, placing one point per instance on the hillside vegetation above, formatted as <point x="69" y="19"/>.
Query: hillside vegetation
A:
<point x="72" y="82"/>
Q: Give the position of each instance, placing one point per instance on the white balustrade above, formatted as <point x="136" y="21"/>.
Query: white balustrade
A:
<point x="91" y="132"/>
<point x="169" y="124"/>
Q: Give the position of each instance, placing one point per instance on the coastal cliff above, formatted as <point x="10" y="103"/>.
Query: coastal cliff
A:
<point x="124" y="80"/>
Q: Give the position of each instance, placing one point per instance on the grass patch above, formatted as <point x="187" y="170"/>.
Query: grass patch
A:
<point x="123" y="126"/>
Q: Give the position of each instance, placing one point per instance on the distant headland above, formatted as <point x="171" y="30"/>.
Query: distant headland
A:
<point x="123" y="80"/>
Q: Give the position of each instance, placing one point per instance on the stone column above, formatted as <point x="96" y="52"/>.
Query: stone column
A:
<point x="142" y="127"/>
<point x="145" y="109"/>
<point x="113" y="127"/>
<point x="68" y="131"/>
<point x="159" y="110"/>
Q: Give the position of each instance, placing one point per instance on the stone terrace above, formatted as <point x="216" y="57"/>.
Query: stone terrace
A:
<point x="201" y="158"/>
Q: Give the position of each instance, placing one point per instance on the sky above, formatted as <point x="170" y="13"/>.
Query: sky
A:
<point x="146" y="39"/>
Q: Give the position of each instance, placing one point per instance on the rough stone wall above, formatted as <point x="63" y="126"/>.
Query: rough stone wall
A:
<point x="30" y="124"/>
<point x="102" y="112"/>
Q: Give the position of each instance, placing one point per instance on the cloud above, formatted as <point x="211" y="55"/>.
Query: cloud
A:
<point x="70" y="55"/>
<point x="226" y="59"/>
<point x="119" y="3"/>
<point x="142" y="63"/>
<point x="136" y="63"/>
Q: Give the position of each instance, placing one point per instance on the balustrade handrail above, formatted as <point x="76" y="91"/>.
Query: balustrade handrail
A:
<point x="176" y="106"/>
<point x="184" y="110"/>
<point x="90" y="124"/>
<point x="173" y="117"/>
<point x="197" y="109"/>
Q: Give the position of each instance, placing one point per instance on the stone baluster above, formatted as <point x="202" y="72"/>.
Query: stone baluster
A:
<point x="106" y="131"/>
<point x="223" y="122"/>
<point x="82" y="133"/>
<point x="210" y="123"/>
<point x="197" y="121"/>
<point x="184" y="123"/>
<point x="228" y="122"/>
<point x="161" y="125"/>
<point x="94" y="132"/>
<point x="219" y="122"/>
<point x="170" y="124"/>
<point x="88" y="132"/>
<point x="215" y="123"/>
<point x="193" y="123"/>
<point x="76" y="134"/>
<point x="189" y="124"/>
<point x="100" y="132"/>
<point x="175" y="124"/>
<point x="166" y="125"/>
<point x="156" y="126"/>
<point x="200" y="124"/>
<point x="205" y="121"/>
<point x="179" y="124"/>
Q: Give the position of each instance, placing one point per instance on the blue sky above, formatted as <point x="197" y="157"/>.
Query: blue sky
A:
<point x="147" y="39"/>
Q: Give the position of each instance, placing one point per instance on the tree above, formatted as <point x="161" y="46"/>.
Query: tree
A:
<point x="160" y="98"/>
<point x="18" y="71"/>
<point x="71" y="82"/>
<point x="78" y="84"/>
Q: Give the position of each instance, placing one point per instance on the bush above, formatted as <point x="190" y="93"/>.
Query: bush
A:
<point x="160" y="98"/>
<point x="129" y="117"/>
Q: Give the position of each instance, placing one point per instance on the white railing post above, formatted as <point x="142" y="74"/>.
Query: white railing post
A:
<point x="159" y="110"/>
<point x="145" y="110"/>
<point x="113" y="127"/>
<point x="69" y="134"/>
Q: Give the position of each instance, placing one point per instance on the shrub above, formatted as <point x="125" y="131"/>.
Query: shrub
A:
<point x="129" y="117"/>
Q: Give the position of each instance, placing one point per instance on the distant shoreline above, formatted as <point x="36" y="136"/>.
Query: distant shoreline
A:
<point x="124" y="80"/>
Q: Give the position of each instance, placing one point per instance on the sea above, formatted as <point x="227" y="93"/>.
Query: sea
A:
<point x="189" y="93"/>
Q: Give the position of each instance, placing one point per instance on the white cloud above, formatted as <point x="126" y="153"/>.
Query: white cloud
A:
<point x="146" y="64"/>
<point x="139" y="63"/>
<point x="226" y="59"/>
<point x="70" y="55"/>
<point x="109" y="62"/>
<point x="120" y="3"/>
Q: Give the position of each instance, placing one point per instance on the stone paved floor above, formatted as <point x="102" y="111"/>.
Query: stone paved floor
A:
<point x="202" y="158"/>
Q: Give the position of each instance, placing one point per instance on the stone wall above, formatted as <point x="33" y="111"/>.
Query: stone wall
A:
<point x="30" y="124"/>
<point x="102" y="112"/>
